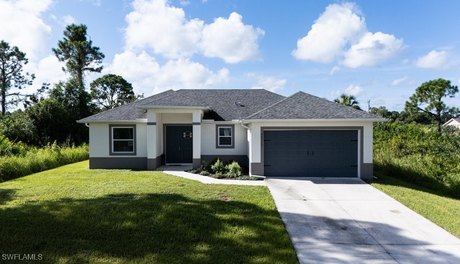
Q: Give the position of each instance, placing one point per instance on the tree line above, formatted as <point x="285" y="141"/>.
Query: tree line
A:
<point x="426" y="106"/>
<point x="50" y="114"/>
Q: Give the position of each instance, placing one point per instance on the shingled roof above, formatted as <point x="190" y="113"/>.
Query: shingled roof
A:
<point x="306" y="106"/>
<point x="222" y="104"/>
<point x="235" y="104"/>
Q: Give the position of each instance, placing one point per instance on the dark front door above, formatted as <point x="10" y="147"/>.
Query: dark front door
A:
<point x="311" y="153"/>
<point x="179" y="144"/>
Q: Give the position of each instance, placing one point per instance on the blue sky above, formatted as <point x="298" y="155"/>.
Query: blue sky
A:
<point x="376" y="50"/>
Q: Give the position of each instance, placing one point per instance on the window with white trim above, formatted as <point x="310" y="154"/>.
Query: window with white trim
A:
<point x="225" y="136"/>
<point x="122" y="139"/>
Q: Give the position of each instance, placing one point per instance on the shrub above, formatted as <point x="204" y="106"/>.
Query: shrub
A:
<point x="204" y="173"/>
<point x="36" y="160"/>
<point x="219" y="175"/>
<point x="8" y="148"/>
<point x="233" y="169"/>
<point x="418" y="154"/>
<point x="219" y="167"/>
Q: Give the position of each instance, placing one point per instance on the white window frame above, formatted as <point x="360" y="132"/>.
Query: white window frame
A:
<point x="232" y="136"/>
<point x="112" y="140"/>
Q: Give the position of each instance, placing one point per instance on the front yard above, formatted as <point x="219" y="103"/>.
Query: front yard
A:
<point x="438" y="208"/>
<point x="74" y="215"/>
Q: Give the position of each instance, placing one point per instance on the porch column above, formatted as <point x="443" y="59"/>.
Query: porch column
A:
<point x="256" y="167"/>
<point x="196" y="122"/>
<point x="153" y="161"/>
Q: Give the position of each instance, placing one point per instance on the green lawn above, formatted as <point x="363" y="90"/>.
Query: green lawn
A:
<point x="75" y="215"/>
<point x="442" y="210"/>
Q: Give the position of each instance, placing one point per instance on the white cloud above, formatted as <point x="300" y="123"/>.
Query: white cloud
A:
<point x="334" y="70"/>
<point x="433" y="59"/>
<point x="372" y="49"/>
<point x="46" y="70"/>
<point x="148" y="76"/>
<point x="184" y="2"/>
<point x="163" y="28"/>
<point x="327" y="37"/>
<point x="68" y="19"/>
<point x="23" y="26"/>
<point x="354" y="90"/>
<point x="167" y="31"/>
<point x="399" y="81"/>
<point x="230" y="39"/>
<point x="340" y="32"/>
<point x="267" y="82"/>
<point x="186" y="74"/>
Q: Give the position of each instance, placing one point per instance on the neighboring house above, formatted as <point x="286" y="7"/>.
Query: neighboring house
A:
<point x="453" y="122"/>
<point x="299" y="135"/>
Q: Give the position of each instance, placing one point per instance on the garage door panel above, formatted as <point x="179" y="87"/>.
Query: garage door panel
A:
<point x="311" y="153"/>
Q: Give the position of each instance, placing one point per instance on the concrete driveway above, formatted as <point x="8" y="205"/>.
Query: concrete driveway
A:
<point x="349" y="221"/>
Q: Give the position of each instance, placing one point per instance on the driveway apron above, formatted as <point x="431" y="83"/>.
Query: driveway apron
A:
<point x="349" y="221"/>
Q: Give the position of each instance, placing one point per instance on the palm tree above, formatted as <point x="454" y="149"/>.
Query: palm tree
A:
<point x="348" y="100"/>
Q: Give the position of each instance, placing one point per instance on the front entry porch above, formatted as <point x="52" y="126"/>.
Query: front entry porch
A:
<point x="173" y="137"/>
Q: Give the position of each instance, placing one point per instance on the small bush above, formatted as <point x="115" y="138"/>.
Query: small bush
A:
<point x="8" y="148"/>
<point x="219" y="167"/>
<point x="219" y="175"/>
<point x="204" y="173"/>
<point x="233" y="169"/>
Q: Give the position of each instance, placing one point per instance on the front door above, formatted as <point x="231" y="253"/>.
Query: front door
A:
<point x="179" y="144"/>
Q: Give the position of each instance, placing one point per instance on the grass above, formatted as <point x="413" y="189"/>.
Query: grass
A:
<point x="32" y="159"/>
<point x="74" y="215"/>
<point x="434" y="205"/>
<point x="419" y="154"/>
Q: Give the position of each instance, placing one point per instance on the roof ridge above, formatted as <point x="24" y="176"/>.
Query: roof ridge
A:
<point x="160" y="97"/>
<point x="272" y="105"/>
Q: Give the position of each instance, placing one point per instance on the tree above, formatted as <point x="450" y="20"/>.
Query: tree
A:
<point x="428" y="98"/>
<point x="76" y="102"/>
<point x="51" y="121"/>
<point x="78" y="53"/>
<point x="12" y="61"/>
<point x="18" y="126"/>
<point x="385" y="113"/>
<point x="111" y="90"/>
<point x="80" y="57"/>
<point x="348" y="100"/>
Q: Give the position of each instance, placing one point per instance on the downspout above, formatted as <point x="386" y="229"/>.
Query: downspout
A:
<point x="86" y="124"/>
<point x="241" y="123"/>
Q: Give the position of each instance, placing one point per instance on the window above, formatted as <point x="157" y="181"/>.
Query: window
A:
<point x="122" y="140"/>
<point x="225" y="136"/>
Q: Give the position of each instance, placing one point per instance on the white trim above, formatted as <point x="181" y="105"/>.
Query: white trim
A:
<point x="135" y="121"/>
<point x="172" y="107"/>
<point x="448" y="123"/>
<point x="244" y="121"/>
<point x="359" y="151"/>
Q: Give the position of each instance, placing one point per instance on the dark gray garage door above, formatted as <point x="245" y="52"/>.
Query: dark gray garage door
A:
<point x="311" y="153"/>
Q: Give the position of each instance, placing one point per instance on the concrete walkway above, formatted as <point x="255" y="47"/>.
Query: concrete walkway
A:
<point x="179" y="171"/>
<point x="349" y="221"/>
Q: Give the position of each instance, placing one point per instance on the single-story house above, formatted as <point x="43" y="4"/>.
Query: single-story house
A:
<point x="453" y="122"/>
<point x="273" y="135"/>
